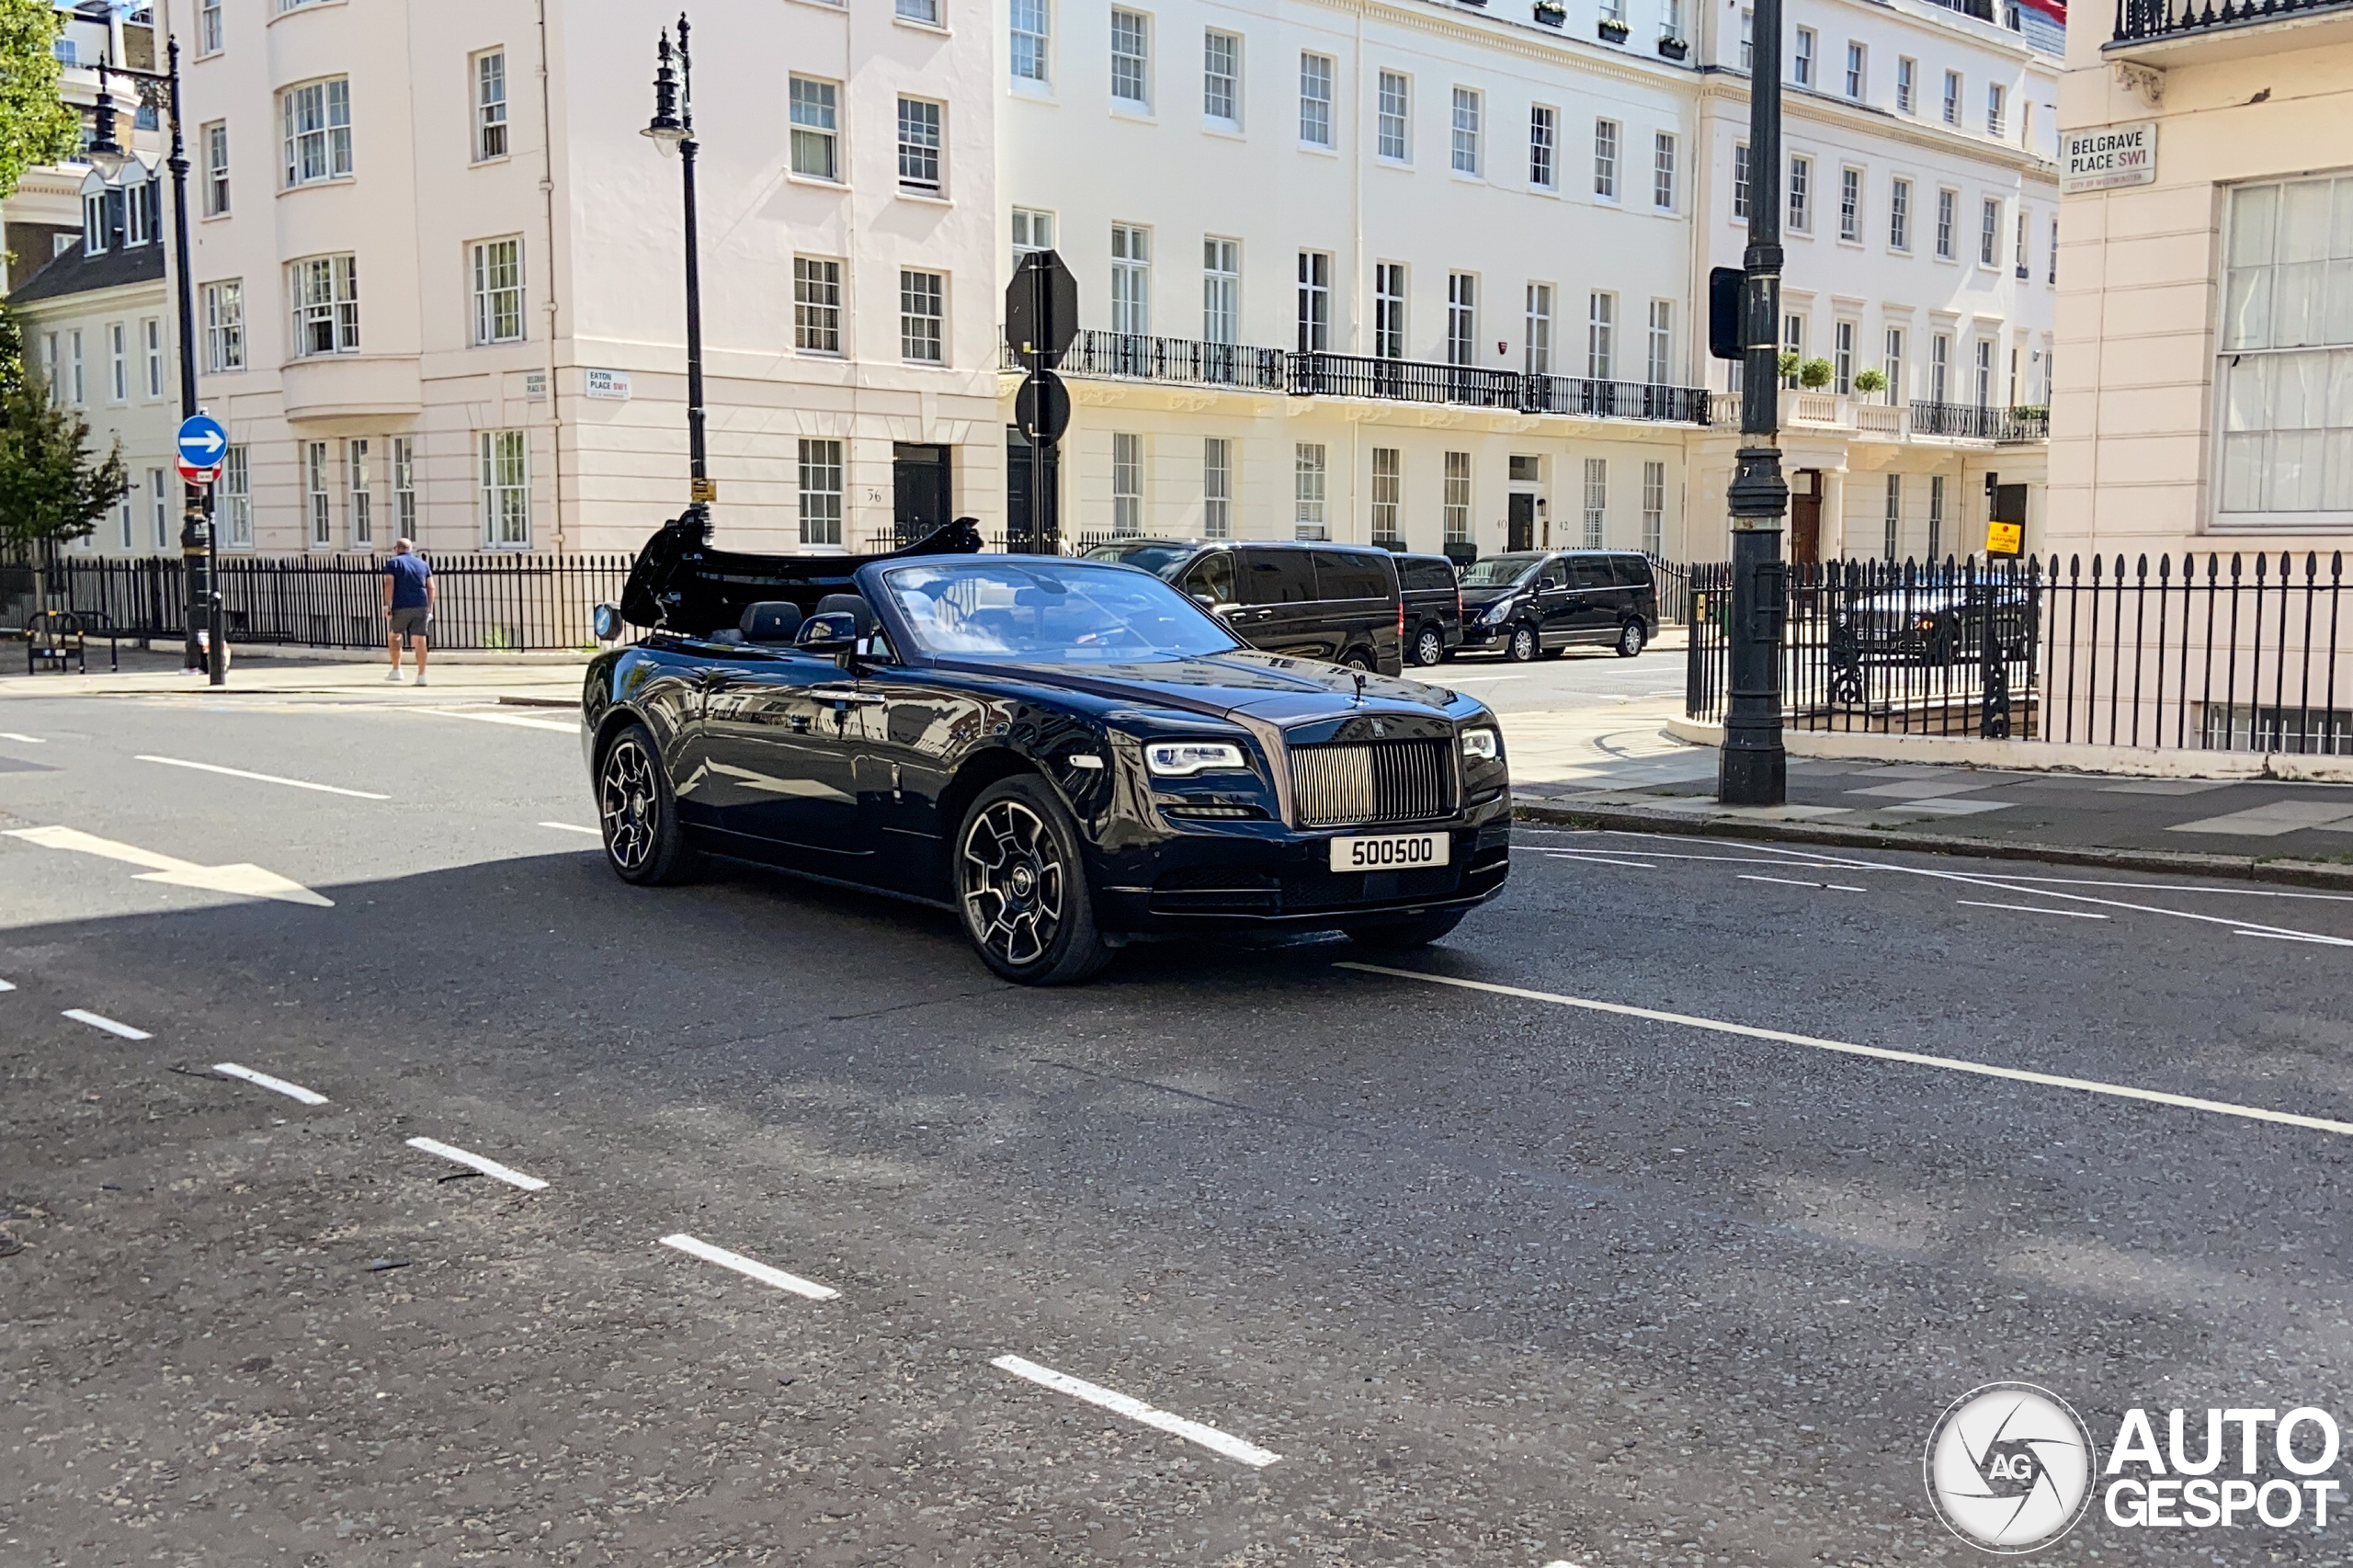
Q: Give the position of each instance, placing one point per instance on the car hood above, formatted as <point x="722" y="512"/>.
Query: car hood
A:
<point x="1475" y="599"/>
<point x="1266" y="686"/>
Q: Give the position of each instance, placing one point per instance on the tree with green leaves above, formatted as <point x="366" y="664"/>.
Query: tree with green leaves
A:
<point x="53" y="489"/>
<point x="36" y="125"/>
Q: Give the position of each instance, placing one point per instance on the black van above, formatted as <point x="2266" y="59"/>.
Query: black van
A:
<point x="1336" y="602"/>
<point x="1433" y="607"/>
<point x="1532" y="602"/>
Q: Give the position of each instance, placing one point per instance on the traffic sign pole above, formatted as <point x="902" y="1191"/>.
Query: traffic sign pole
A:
<point x="1042" y="318"/>
<point x="202" y="445"/>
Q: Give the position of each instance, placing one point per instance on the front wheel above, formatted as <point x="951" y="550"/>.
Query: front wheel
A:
<point x="1021" y="886"/>
<point x="1429" y="647"/>
<point x="1630" y="640"/>
<point x="1396" y="936"/>
<point x="1521" y="649"/>
<point x="639" y="816"/>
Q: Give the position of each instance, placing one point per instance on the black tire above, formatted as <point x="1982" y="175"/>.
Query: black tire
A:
<point x="639" y="816"/>
<point x="1356" y="659"/>
<point x="1554" y="653"/>
<point x="1631" y="639"/>
<point x="1021" y="888"/>
<point x="1430" y="646"/>
<point x="1396" y="936"/>
<point x="1520" y="643"/>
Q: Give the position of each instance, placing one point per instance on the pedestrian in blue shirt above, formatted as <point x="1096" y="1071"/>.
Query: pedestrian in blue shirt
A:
<point x="408" y="605"/>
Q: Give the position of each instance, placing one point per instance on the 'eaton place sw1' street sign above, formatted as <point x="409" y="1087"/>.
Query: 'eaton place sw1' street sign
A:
<point x="2108" y="156"/>
<point x="202" y="443"/>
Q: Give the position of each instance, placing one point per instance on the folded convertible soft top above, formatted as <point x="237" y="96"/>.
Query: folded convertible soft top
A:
<point x="679" y="584"/>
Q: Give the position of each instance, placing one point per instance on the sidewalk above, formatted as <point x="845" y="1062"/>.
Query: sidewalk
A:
<point x="296" y="672"/>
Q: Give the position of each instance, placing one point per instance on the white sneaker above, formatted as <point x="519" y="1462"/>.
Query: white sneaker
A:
<point x="420" y="677"/>
<point x="392" y="677"/>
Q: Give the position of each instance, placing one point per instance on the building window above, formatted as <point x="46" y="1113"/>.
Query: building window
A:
<point x="1747" y="39"/>
<point x="359" y="498"/>
<point x="236" y="492"/>
<point x="924" y="11"/>
<point x="816" y="128"/>
<point x="1659" y="363"/>
<point x="506" y="489"/>
<point x="1989" y="232"/>
<point x="151" y="343"/>
<point x="1894" y="515"/>
<point x="141" y="209"/>
<point x="821" y="491"/>
<point x="125" y="529"/>
<point x="1653" y="508"/>
<point x="317" y="499"/>
<point x="1315" y="302"/>
<point x="1855" y="72"/>
<point x="1842" y="358"/>
<point x="1466" y="131"/>
<point x="1028" y="27"/>
<point x="117" y="362"/>
<point x="1604" y="159"/>
<point x="1217" y="487"/>
<point x="490" y="105"/>
<point x="159" y="508"/>
<point x="1850" y="205"/>
<point x="1985" y="372"/>
<point x="1308" y="520"/>
<point x="816" y="305"/>
<point x="404" y="475"/>
<point x="224" y="326"/>
<point x="1994" y="105"/>
<point x="81" y="387"/>
<point x="1127" y="483"/>
<point x="1391" y="138"/>
<point x="1539" y="329"/>
<point x="1892" y="365"/>
<point x="1662" y="171"/>
<point x="1454" y="504"/>
<point x="1670" y="21"/>
<point x="1740" y="181"/>
<point x="1802" y="59"/>
<point x="2019" y="258"/>
<point x="210" y="34"/>
<point x="1801" y="195"/>
<point x="1462" y="319"/>
<point x="317" y="119"/>
<point x="1388" y="497"/>
<point x="918" y="145"/>
<point x="1939" y="368"/>
<point x="1597" y="501"/>
<point x="214" y="138"/>
<point x="2052" y="276"/>
<point x="1131" y="280"/>
<point x="1899" y="215"/>
<point x="1389" y="310"/>
<point x="1947" y="201"/>
<point x="1032" y="231"/>
<point x="1315" y="101"/>
<point x="1542" y="171"/>
<point x="1221" y="78"/>
<point x="1220" y="291"/>
<point x="1129" y="61"/>
<point x="923" y="315"/>
<point x="326" y="305"/>
<point x="1792" y="341"/>
<point x="1907" y="76"/>
<point x="1936" y="516"/>
<point x="1952" y="98"/>
<point x="94" y="225"/>
<point x="499" y="290"/>
<point x="1601" y="336"/>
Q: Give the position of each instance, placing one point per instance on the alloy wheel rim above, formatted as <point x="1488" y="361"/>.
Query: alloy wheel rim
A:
<point x="1523" y="643"/>
<point x="630" y="804"/>
<point x="1013" y="882"/>
<point x="1430" y="649"/>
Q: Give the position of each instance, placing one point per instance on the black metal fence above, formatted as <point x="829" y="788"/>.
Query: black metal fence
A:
<point x="510" y="603"/>
<point x="1970" y="422"/>
<point x="2217" y="652"/>
<point x="2137" y="20"/>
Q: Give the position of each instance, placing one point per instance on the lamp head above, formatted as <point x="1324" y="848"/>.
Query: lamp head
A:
<point x="665" y="127"/>
<point x="107" y="154"/>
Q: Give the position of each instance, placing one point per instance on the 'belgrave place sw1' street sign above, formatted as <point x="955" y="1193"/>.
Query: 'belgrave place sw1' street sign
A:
<point x="2108" y="156"/>
<point x="202" y="444"/>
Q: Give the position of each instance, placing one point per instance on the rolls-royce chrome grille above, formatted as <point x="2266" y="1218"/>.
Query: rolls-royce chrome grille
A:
<point x="1380" y="781"/>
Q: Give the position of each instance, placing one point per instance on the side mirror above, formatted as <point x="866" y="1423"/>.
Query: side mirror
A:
<point x="606" y="622"/>
<point x="832" y="632"/>
<point x="1207" y="601"/>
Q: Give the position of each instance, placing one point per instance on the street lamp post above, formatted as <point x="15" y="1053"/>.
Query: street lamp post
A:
<point x="673" y="130"/>
<point x="197" y="551"/>
<point x="1753" y="769"/>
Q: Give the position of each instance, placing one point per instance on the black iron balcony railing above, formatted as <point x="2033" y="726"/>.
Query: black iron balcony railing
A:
<point x="2139" y="20"/>
<point x="1972" y="423"/>
<point x="1176" y="362"/>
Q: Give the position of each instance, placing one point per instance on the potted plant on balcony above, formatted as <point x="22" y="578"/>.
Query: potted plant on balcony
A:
<point x="1672" y="48"/>
<point x="1814" y="374"/>
<point x="1551" y="13"/>
<point x="1871" y="381"/>
<point x="1787" y="363"/>
<point x="1613" y="31"/>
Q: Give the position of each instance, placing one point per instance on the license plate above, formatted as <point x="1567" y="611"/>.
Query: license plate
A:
<point x="1391" y="852"/>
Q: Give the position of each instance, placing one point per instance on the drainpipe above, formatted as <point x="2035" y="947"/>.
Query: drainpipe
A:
<point x="547" y="203"/>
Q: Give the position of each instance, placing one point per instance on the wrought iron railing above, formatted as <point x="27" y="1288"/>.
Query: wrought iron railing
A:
<point x="1176" y="362"/>
<point x="2139" y="20"/>
<point x="1971" y="422"/>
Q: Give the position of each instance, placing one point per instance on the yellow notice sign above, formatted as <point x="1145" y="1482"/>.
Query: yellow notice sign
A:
<point x="703" y="490"/>
<point x="2004" y="539"/>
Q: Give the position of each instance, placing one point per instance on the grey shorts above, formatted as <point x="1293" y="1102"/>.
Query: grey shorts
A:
<point x="413" y="620"/>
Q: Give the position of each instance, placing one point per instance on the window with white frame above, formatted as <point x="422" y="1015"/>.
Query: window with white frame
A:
<point x="1792" y="341"/>
<point x="1939" y="368"/>
<point x="821" y="491"/>
<point x="1032" y="231"/>
<point x="1908" y="80"/>
<point x="159" y="508"/>
<point x="1388" y="497"/>
<point x="1892" y="366"/>
<point x="1390" y="129"/>
<point x="1454" y="499"/>
<point x="1131" y="280"/>
<point x="81" y="386"/>
<point x="403" y="463"/>
<point x="225" y="326"/>
<point x="1842" y="358"/>
<point x="1740" y="181"/>
<point x="1222" y="79"/>
<point x="1217" y="487"/>
<point x="1614" y="11"/>
<point x="1892" y="516"/>
<point x="210" y="33"/>
<point x="1935" y="517"/>
<point x="1314" y="314"/>
<point x="318" y="500"/>
<point x="1601" y="336"/>
<point x="213" y="137"/>
<point x="1800" y="219"/>
<point x="1662" y="171"/>
<point x="117" y="362"/>
<point x="1952" y="98"/>
<point x="1802" y="59"/>
<point x="1899" y="214"/>
<point x="1605" y="138"/>
<point x="1989" y="232"/>
<point x="325" y="290"/>
<point x="923" y="316"/>
<point x="1850" y="205"/>
<point x="1543" y="171"/>
<point x="490" y="105"/>
<point x="816" y="305"/>
<point x="1389" y="310"/>
<point x="140" y="212"/>
<point x="1127" y="483"/>
<point x="816" y="127"/>
<point x="151" y="348"/>
<point x="1309" y="477"/>
<point x="1597" y="501"/>
<point x="1466" y="130"/>
<point x="1220" y="291"/>
<point x="316" y="117"/>
<point x="924" y="11"/>
<point x="1461" y="318"/>
<point x="1131" y="59"/>
<point x="94" y="223"/>
<point x="1984" y="369"/>
<point x="505" y="489"/>
<point x="2018" y="257"/>
<point x="1026" y="25"/>
<point x="497" y="278"/>
<point x="1856" y="83"/>
<point x="2051" y="274"/>
<point x="235" y="490"/>
<point x="1748" y="38"/>
<point x="1996" y="105"/>
<point x="1947" y="206"/>
<point x="1653" y="508"/>
<point x="2286" y="421"/>
<point x="1670" y="21"/>
<point x="1538" y="350"/>
<point x="1658" y="364"/>
<point x="126" y="527"/>
<point x="359" y="494"/>
<point x="919" y="145"/>
<point x="1314" y="100"/>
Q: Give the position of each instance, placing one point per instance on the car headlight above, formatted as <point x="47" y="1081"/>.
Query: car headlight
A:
<point x="1498" y="612"/>
<point x="1182" y="759"/>
<point x="1482" y="744"/>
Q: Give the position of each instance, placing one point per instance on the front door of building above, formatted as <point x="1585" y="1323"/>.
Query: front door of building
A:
<point x="1027" y="525"/>
<point x="1805" y="515"/>
<point x="919" y="490"/>
<point x="1520" y="522"/>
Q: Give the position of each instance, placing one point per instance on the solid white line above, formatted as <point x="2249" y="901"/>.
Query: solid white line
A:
<point x="1136" y="1410"/>
<point x="490" y="1168"/>
<point x="28" y="739"/>
<point x="100" y="1021"/>
<point x="515" y="718"/>
<point x="2030" y="909"/>
<point x="1783" y="881"/>
<point x="573" y="827"/>
<point x="279" y="1085"/>
<point x="265" y="778"/>
<point x="1580" y="858"/>
<point x="7" y="986"/>
<point x="2290" y="936"/>
<point x="1914" y="1057"/>
<point x="750" y="1269"/>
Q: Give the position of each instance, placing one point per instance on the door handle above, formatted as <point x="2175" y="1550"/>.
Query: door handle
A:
<point x="848" y="697"/>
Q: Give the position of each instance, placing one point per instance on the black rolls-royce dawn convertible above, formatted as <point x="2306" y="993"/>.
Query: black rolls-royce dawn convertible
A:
<point x="1067" y="753"/>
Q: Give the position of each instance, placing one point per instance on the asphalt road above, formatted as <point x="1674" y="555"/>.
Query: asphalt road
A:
<point x="1444" y="1274"/>
<point x="1576" y="677"/>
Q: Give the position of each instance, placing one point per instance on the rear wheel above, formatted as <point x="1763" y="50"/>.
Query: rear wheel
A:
<point x="639" y="816"/>
<point x="1631" y="638"/>
<point x="1521" y="646"/>
<point x="1021" y="886"/>
<point x="1396" y="936"/>
<point x="1430" y="646"/>
<point x="1356" y="659"/>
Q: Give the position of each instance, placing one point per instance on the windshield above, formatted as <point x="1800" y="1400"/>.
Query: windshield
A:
<point x="1159" y="559"/>
<point x="1498" y="570"/>
<point x="1069" y="612"/>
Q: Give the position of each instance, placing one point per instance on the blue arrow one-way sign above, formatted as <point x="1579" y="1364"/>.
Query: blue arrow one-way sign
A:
<point x="202" y="441"/>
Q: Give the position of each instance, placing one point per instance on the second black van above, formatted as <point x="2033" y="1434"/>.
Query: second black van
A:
<point x="1336" y="602"/>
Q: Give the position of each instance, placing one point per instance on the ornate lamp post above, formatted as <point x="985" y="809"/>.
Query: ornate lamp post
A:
<point x="672" y="129"/>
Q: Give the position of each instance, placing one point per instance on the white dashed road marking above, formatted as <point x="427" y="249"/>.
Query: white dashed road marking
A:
<point x="573" y="827"/>
<point x="100" y="1021"/>
<point x="517" y="720"/>
<point x="1787" y="882"/>
<point x="277" y="1086"/>
<point x="2032" y="909"/>
<point x="7" y="985"/>
<point x="1136" y="1410"/>
<point x="1844" y="1048"/>
<point x="28" y="739"/>
<point x="751" y="1268"/>
<point x="490" y="1168"/>
<point x="264" y="777"/>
